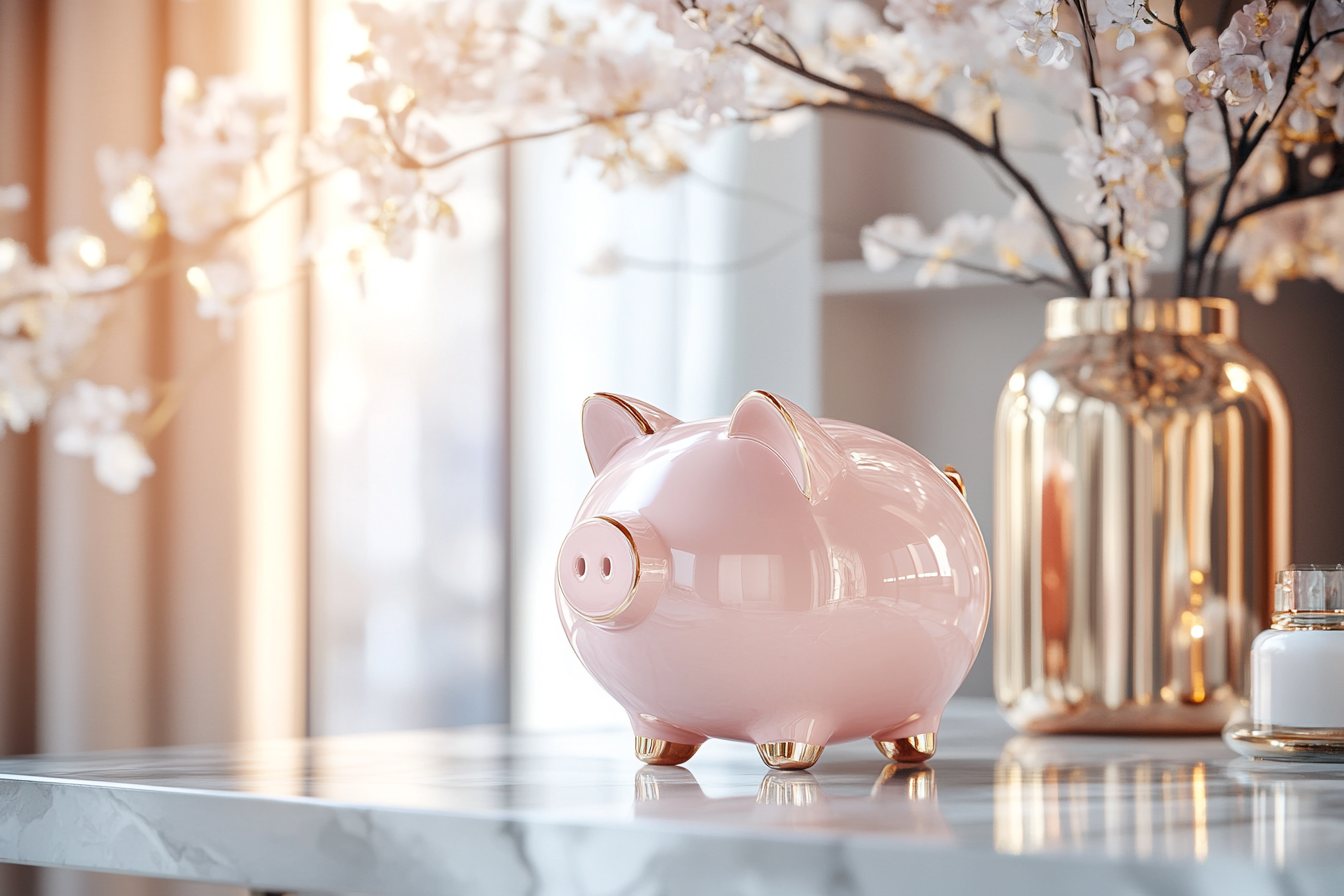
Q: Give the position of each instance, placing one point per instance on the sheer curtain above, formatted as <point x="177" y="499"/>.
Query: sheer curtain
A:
<point x="174" y="614"/>
<point x="718" y="294"/>
<point x="409" y="452"/>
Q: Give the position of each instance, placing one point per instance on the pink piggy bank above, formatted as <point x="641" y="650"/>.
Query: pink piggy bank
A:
<point x="770" y="578"/>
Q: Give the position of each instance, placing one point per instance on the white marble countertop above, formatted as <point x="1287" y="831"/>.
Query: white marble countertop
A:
<point x="483" y="811"/>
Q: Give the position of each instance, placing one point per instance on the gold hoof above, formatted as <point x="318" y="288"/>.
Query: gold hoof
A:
<point x="663" y="752"/>
<point x="788" y="756"/>
<point x="909" y="749"/>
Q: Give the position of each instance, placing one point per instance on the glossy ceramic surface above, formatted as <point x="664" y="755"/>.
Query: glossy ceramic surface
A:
<point x="486" y="812"/>
<point x="1142" y="506"/>
<point x="797" y="581"/>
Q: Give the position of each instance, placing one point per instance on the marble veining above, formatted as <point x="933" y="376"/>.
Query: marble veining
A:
<point x="486" y="811"/>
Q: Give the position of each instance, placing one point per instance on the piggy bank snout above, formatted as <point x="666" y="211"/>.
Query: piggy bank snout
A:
<point x="598" y="569"/>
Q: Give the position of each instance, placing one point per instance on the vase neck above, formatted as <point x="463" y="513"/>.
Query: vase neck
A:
<point x="1185" y="317"/>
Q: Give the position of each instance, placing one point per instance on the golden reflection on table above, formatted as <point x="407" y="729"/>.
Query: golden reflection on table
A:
<point x="1047" y="801"/>
<point x="902" y="800"/>
<point x="1140" y="808"/>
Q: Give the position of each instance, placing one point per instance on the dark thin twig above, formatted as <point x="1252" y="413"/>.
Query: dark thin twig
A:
<point x="899" y="110"/>
<point x="1174" y="26"/>
<point x="1036" y="279"/>
<point x="1181" y="28"/>
<point x="1234" y="168"/>
<point x="1294" y="67"/>
<point x="1090" y="46"/>
<point x="727" y="267"/>
<point x="1244" y="148"/>
<point x="751" y="196"/>
<point x="1182" y="269"/>
<point x="1324" y="188"/>
<point x="1216" y="272"/>
<point x="798" y="57"/>
<point x="507" y="140"/>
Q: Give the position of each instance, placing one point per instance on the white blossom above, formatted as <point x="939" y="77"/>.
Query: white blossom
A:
<point x="129" y="192"/>
<point x="1039" y="22"/>
<point x="1131" y="180"/>
<point x="13" y="198"/>
<point x="220" y="284"/>
<point x="78" y="261"/>
<point x="605" y="263"/>
<point x="636" y="83"/>
<point x="211" y="134"/>
<point x="121" y="462"/>
<point x="1021" y="243"/>
<point x="88" y="413"/>
<point x="1203" y="92"/>
<point x="886" y="240"/>
<point x="1248" y="79"/>
<point x="1129" y="17"/>
<point x="90" y="422"/>
<point x="45" y="319"/>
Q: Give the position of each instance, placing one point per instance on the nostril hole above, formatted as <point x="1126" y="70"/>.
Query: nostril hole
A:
<point x="606" y="567"/>
<point x="580" y="566"/>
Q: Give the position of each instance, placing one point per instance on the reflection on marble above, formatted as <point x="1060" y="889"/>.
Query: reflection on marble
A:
<point x="483" y="811"/>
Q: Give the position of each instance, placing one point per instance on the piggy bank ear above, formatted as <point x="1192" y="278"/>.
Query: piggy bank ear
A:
<point x="811" y="456"/>
<point x="609" y="421"/>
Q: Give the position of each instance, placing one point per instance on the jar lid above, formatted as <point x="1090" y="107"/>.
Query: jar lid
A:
<point x="1309" y="597"/>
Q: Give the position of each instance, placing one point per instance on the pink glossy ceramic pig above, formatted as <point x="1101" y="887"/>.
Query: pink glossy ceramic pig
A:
<point x="770" y="578"/>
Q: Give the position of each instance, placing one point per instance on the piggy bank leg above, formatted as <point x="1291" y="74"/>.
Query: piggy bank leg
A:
<point x="916" y="748"/>
<point x="659" y="743"/>
<point x="788" y="755"/>
<point x="913" y="741"/>
<point x="663" y="752"/>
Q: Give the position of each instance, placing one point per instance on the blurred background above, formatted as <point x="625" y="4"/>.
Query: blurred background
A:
<point x="353" y="523"/>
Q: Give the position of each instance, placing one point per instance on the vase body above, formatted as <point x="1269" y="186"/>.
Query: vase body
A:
<point x="1142" y="506"/>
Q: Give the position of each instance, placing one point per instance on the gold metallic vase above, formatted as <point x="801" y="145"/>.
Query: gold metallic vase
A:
<point x="1141" y="508"/>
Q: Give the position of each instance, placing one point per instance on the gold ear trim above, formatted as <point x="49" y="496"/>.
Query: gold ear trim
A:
<point x="793" y="428"/>
<point x="955" y="478"/>
<point x="645" y="427"/>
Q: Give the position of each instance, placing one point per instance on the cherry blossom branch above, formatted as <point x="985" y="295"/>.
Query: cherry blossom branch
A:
<point x="1183" y="267"/>
<point x="726" y="267"/>
<point x="1294" y="68"/>
<point x="503" y="140"/>
<point x="1216" y="222"/>
<point x="892" y="108"/>
<point x="1215" y="274"/>
<point x="1240" y="154"/>
<point x="1317" y="41"/>
<point x="1036" y="278"/>
<point x="1180" y="27"/>
<point x="1324" y="188"/>
<point x="177" y="262"/>
<point x="750" y="195"/>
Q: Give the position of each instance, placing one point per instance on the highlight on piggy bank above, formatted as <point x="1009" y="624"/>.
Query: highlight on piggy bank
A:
<point x="772" y="578"/>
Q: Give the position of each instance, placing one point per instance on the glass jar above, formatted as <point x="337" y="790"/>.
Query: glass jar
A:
<point x="1142" y="504"/>
<point x="1297" y="668"/>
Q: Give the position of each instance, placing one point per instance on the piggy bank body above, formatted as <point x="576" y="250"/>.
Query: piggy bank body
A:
<point x="770" y="578"/>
